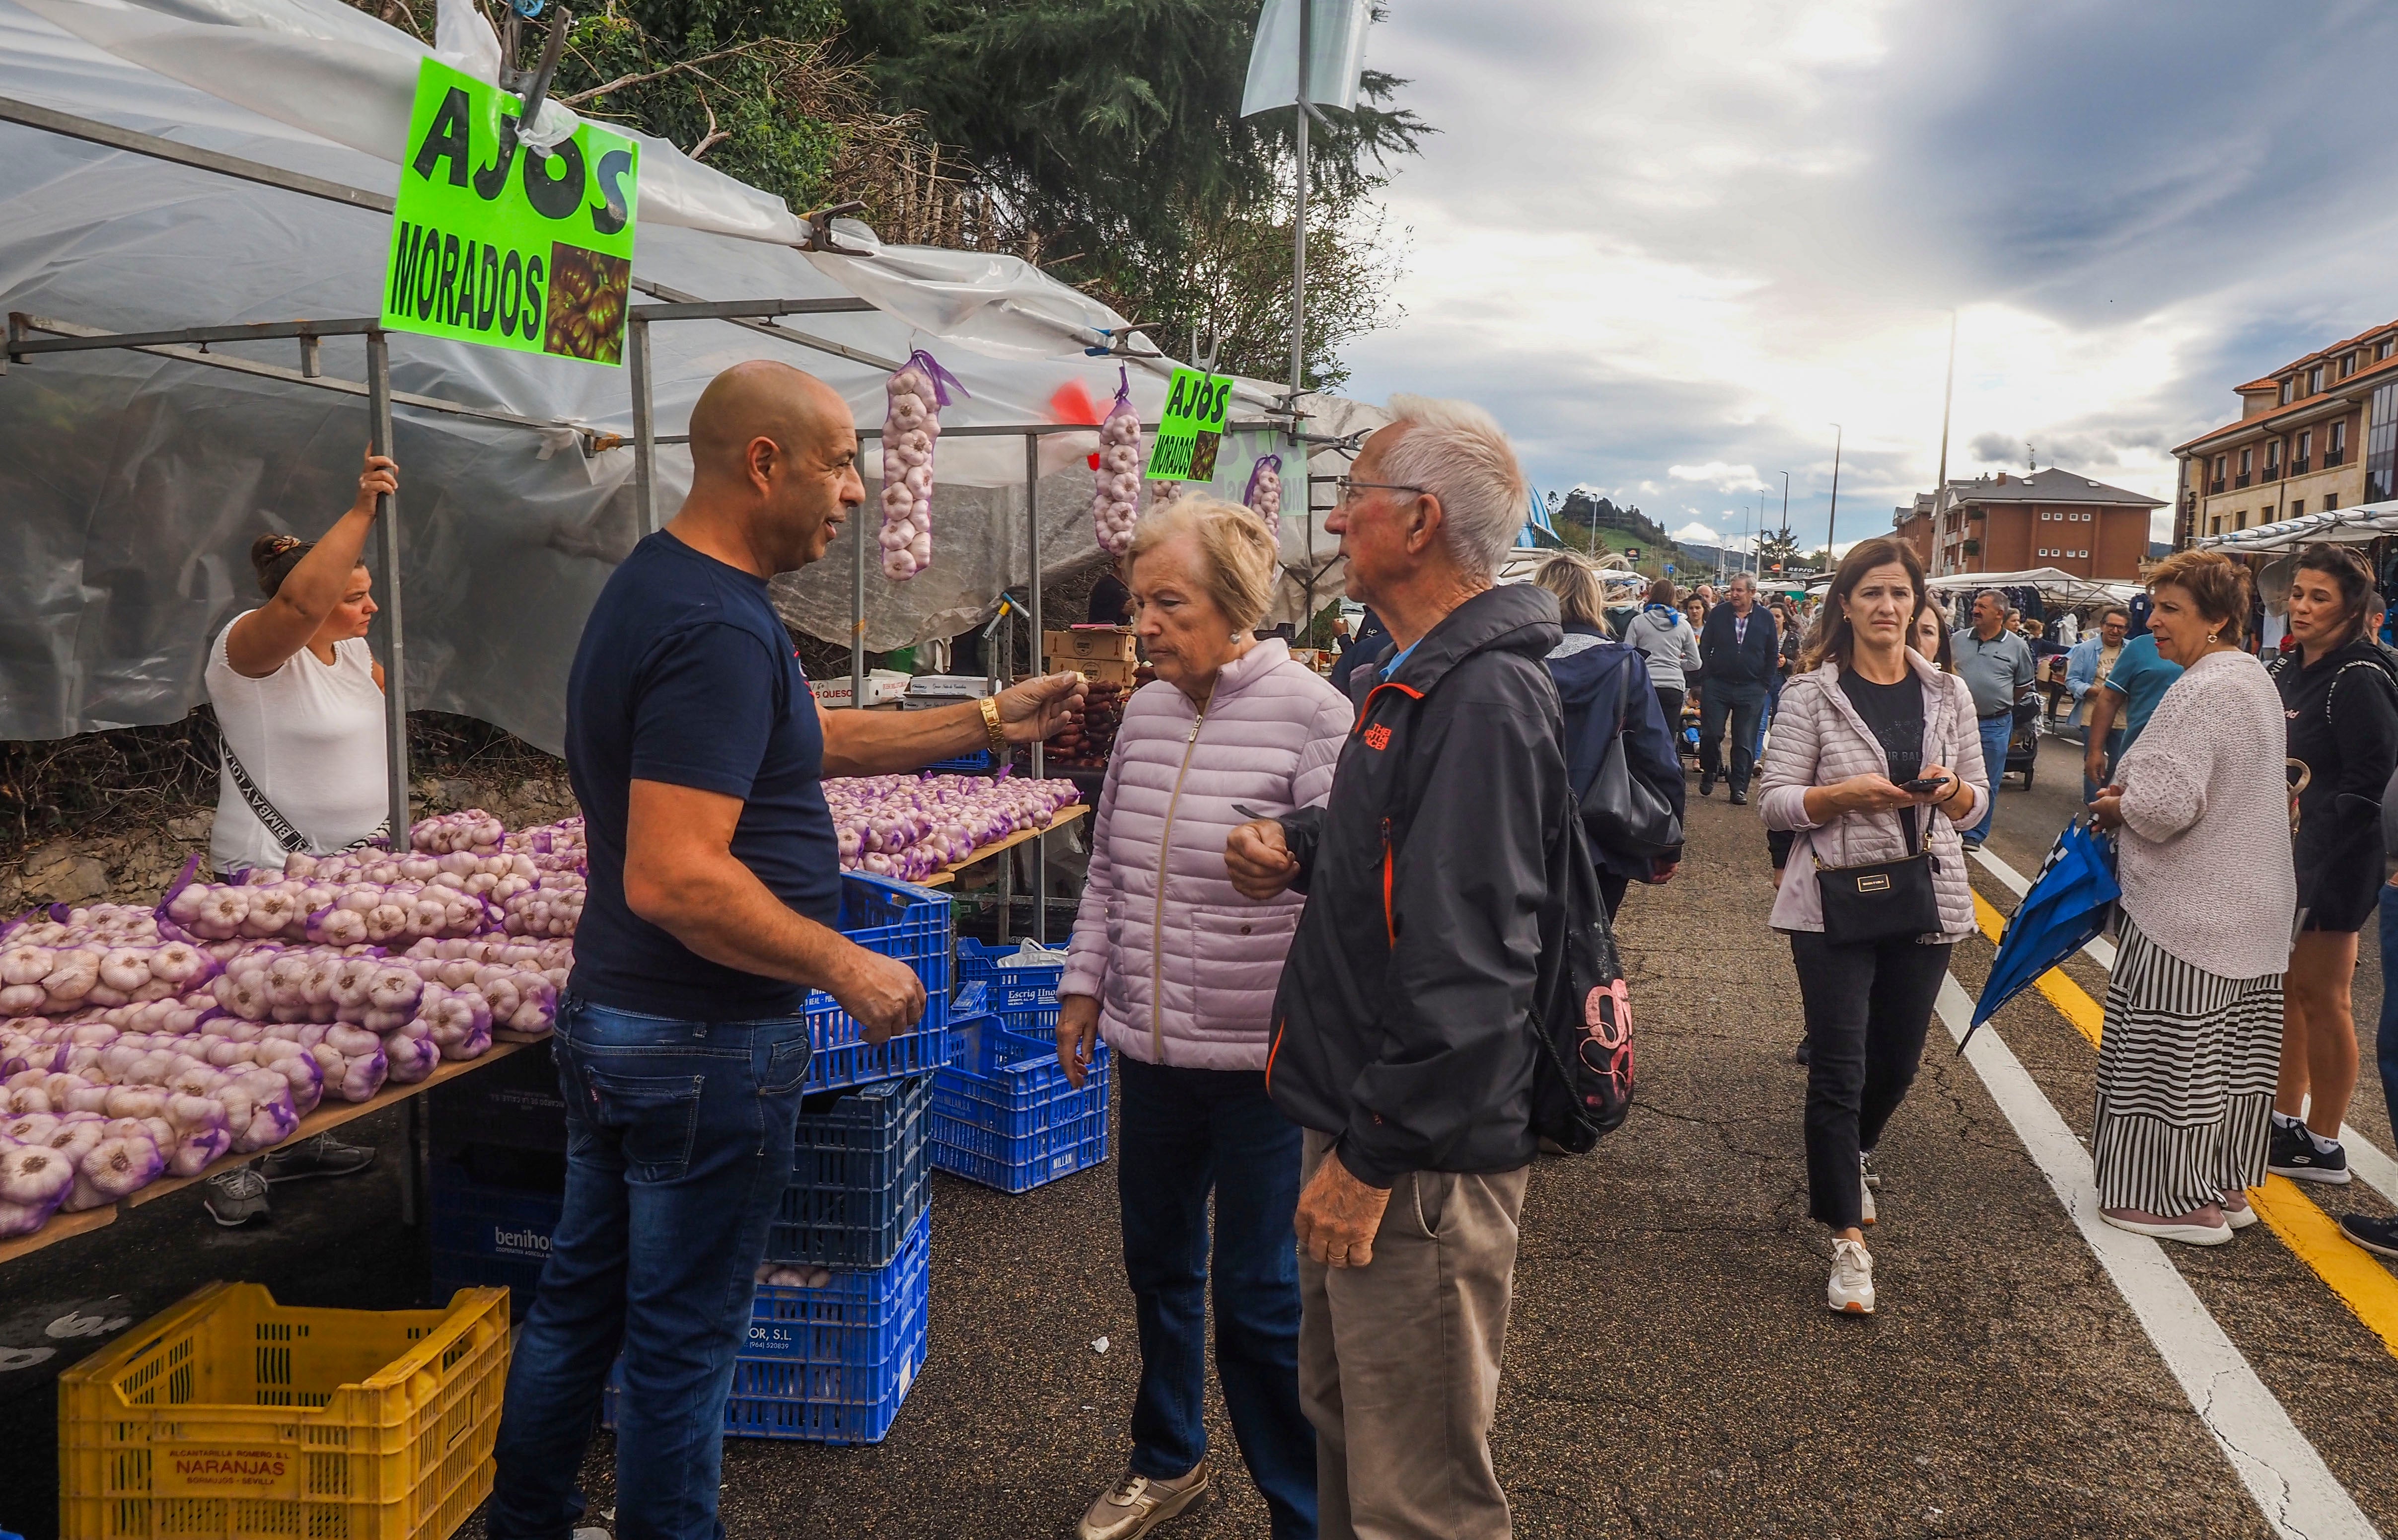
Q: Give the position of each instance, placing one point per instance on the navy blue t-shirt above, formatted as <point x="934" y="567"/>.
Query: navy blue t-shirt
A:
<point x="685" y="675"/>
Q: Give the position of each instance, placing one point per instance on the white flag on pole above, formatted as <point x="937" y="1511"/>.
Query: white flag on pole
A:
<point x="1336" y="45"/>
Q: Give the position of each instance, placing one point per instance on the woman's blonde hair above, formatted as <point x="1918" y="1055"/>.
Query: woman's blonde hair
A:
<point x="1239" y="551"/>
<point x="1579" y="598"/>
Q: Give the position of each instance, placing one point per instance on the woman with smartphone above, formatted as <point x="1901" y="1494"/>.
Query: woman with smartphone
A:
<point x="1874" y="762"/>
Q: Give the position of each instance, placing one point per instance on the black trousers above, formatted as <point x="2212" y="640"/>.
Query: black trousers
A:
<point x="1744" y="706"/>
<point x="1867" y="1009"/>
<point x="1670" y="702"/>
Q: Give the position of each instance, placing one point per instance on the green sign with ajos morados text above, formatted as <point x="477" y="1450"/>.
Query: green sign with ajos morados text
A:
<point x="499" y="244"/>
<point x="1190" y="428"/>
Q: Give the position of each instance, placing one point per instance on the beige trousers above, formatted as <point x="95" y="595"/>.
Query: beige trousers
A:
<point x="1398" y="1361"/>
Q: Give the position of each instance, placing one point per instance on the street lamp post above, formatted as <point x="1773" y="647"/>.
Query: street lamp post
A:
<point x="1833" y="522"/>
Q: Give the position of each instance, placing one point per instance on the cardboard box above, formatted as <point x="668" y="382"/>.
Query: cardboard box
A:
<point x="881" y="685"/>
<point x="1093" y="643"/>
<point x="1097" y="671"/>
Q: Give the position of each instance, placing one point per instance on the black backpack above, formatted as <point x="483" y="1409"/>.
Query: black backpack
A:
<point x="1581" y="1010"/>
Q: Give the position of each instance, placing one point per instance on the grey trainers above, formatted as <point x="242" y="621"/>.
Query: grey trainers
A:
<point x="1138" y="1504"/>
<point x="235" y="1198"/>
<point x="323" y="1155"/>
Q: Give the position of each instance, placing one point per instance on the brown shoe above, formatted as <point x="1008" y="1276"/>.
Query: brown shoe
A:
<point x="1138" y="1504"/>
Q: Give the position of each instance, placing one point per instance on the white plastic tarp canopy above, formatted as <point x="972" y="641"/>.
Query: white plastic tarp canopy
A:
<point x="2366" y="521"/>
<point x="2054" y="585"/>
<point x="134" y="484"/>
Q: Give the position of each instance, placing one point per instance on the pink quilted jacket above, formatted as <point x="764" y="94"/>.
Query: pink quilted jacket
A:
<point x="1183" y="967"/>
<point x="1819" y="738"/>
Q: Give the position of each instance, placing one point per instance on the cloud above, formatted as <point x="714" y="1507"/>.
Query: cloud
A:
<point x="1714" y="473"/>
<point x="1675" y="243"/>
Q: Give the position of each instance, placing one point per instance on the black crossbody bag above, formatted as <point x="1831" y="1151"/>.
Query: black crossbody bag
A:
<point x="1881" y="900"/>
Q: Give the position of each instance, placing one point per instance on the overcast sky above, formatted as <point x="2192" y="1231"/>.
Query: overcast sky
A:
<point x="1671" y="242"/>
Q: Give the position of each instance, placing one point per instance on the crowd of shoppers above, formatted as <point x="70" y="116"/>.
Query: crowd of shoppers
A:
<point x="1315" y="918"/>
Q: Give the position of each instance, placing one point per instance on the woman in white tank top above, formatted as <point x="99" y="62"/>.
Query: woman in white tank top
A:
<point x="299" y="699"/>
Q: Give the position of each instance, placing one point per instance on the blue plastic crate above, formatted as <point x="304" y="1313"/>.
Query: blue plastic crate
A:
<point x="504" y="1223"/>
<point x="855" y="1319"/>
<point x="898" y="920"/>
<point x="1005" y="987"/>
<point x="831" y="1365"/>
<point x="858" y="1180"/>
<point x="1005" y="1115"/>
<point x="1018" y="1175"/>
<point x="980" y="762"/>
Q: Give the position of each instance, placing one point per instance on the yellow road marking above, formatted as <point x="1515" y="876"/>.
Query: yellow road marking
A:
<point x="2364" y="1285"/>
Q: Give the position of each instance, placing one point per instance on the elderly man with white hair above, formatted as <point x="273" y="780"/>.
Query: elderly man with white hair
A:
<point x="1402" y="1040"/>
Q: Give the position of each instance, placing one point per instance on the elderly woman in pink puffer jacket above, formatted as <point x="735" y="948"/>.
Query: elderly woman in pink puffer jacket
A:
<point x="1180" y="971"/>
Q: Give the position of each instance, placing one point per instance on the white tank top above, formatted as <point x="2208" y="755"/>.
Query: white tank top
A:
<point x="312" y="738"/>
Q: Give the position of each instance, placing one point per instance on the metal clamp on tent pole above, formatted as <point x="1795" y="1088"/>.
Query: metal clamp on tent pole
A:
<point x="820" y="223"/>
<point x="537" y="90"/>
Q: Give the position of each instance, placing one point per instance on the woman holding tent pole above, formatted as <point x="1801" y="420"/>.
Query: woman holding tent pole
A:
<point x="2194" y="1023"/>
<point x="300" y="718"/>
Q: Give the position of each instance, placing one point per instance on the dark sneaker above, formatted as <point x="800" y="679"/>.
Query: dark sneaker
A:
<point x="1706" y="784"/>
<point x="1970" y="842"/>
<point x="323" y="1155"/>
<point x="236" y="1198"/>
<point x="1739" y="797"/>
<point x="2295" y="1153"/>
<point x="2378" y="1235"/>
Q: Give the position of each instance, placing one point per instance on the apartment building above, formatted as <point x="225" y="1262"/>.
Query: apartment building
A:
<point x="2011" y="522"/>
<point x="2318" y="433"/>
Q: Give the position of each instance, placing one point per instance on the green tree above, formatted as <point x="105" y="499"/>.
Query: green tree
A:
<point x="1111" y="131"/>
<point x="1776" y="549"/>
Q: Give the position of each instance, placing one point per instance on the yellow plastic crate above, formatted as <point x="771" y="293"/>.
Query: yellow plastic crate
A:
<point x="230" y="1416"/>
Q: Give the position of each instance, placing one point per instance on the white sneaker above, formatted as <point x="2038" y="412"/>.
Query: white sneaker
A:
<point x="1865" y="1163"/>
<point x="1852" y="1290"/>
<point x="1866" y="1212"/>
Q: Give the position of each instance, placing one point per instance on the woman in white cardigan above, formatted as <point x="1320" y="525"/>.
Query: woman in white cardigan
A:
<point x="1875" y="754"/>
<point x="2193" y="1026"/>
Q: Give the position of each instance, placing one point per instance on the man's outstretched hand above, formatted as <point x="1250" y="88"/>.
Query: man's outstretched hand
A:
<point x="1040" y="709"/>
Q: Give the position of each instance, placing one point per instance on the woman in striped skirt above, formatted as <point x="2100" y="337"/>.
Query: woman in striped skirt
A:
<point x="2193" y="1029"/>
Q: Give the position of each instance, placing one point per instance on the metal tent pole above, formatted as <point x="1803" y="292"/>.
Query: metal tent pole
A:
<point x="858" y="613"/>
<point x="395" y="668"/>
<point x="645" y="427"/>
<point x="1033" y="543"/>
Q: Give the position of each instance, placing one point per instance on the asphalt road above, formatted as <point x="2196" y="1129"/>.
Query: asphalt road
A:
<point x="1671" y="1369"/>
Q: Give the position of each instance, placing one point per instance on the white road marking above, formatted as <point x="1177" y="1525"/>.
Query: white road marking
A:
<point x="2365" y="1159"/>
<point x="2293" y="1487"/>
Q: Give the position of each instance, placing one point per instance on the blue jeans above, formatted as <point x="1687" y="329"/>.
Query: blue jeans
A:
<point x="1765" y="720"/>
<point x="1745" y="706"/>
<point x="2385" y="1043"/>
<point x="1186" y="1131"/>
<point x="678" y="1146"/>
<point x="2114" y="752"/>
<point x="1996" y="731"/>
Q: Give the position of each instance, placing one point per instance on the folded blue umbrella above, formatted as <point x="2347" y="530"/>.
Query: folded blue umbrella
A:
<point x="2069" y="904"/>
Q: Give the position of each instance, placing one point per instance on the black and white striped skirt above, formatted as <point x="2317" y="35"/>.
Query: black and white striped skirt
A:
<point x="2186" y="1073"/>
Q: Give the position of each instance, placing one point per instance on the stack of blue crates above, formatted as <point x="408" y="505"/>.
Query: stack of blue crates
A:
<point x="1004" y="1113"/>
<point x="497" y="1176"/>
<point x="832" y="1363"/>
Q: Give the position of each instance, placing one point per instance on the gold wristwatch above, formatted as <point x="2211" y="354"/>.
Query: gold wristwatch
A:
<point x="990" y="725"/>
